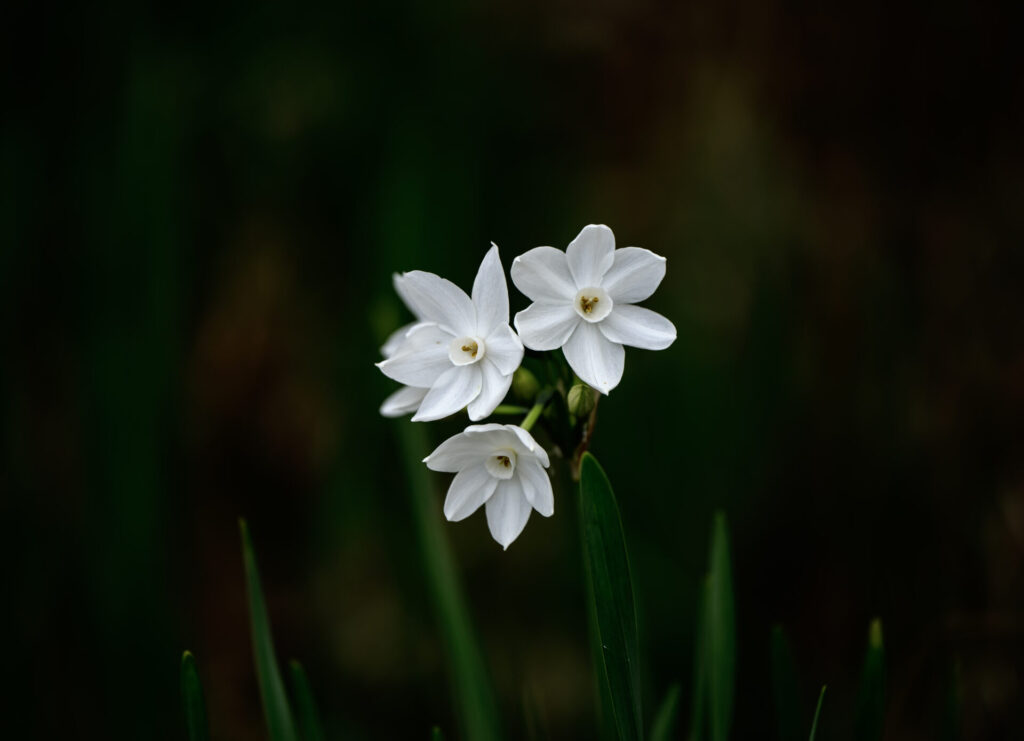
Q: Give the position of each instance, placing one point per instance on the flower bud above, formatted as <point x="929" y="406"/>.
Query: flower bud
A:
<point x="580" y="400"/>
<point x="525" y="385"/>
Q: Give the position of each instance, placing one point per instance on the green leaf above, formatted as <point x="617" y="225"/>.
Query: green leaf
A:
<point x="611" y="590"/>
<point x="665" y="720"/>
<point x="785" y="688"/>
<point x="871" y="699"/>
<point x="475" y="703"/>
<point x="192" y="700"/>
<point x="275" y="702"/>
<point x="817" y="712"/>
<point x="720" y="633"/>
<point x="435" y="734"/>
<point x="306" y="715"/>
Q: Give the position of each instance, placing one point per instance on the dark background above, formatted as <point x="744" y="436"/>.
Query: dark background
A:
<point x="201" y="207"/>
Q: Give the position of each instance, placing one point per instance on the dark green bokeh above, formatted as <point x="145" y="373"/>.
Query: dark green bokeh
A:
<point x="201" y="208"/>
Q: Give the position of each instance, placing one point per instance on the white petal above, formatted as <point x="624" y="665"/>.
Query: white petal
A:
<point x="470" y="488"/>
<point x="453" y="390"/>
<point x="490" y="294"/>
<point x="495" y="386"/>
<point x="542" y="274"/>
<point x="536" y="487"/>
<point x="638" y="327"/>
<point x="594" y="358"/>
<point x="590" y="255"/>
<point x="421" y="358"/>
<point x="435" y="299"/>
<point x="634" y="275"/>
<point x="507" y="512"/>
<point x="461" y="451"/>
<point x="529" y="444"/>
<point x="504" y="348"/>
<point x="400" y="289"/>
<point x="407" y="399"/>
<point x="546" y="326"/>
<point x="394" y="340"/>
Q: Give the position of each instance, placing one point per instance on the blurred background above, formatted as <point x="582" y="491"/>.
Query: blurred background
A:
<point x="200" y="211"/>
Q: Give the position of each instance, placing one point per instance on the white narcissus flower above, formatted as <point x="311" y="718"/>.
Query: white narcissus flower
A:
<point x="463" y="349"/>
<point x="584" y="302"/>
<point x="501" y="467"/>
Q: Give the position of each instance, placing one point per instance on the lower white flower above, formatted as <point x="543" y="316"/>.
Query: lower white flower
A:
<point x="500" y="467"/>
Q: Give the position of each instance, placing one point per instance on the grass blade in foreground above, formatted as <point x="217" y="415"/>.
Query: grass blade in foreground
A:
<point x="607" y="565"/>
<point x="871" y="700"/>
<point x="306" y="714"/>
<point x="475" y="704"/>
<point x="275" y="702"/>
<point x="192" y="700"/>
<point x="817" y="712"/>
<point x="786" y="689"/>
<point x="720" y="633"/>
<point x="663" y="728"/>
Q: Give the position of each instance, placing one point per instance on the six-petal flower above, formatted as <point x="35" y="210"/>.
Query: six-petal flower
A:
<point x="500" y="467"/>
<point x="584" y="303"/>
<point x="463" y="349"/>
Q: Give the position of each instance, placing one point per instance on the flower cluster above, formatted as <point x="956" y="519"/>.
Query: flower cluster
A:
<point x="461" y="353"/>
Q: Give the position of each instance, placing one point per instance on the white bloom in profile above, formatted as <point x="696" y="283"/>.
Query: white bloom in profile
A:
<point x="501" y="467"/>
<point x="584" y="302"/>
<point x="462" y="350"/>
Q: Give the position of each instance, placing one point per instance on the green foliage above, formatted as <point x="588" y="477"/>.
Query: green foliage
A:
<point x="668" y="714"/>
<point x="276" y="710"/>
<point x="611" y="597"/>
<point x="817" y="712"/>
<point x="871" y="699"/>
<point x="785" y="688"/>
<point x="474" y="698"/>
<point x="307" y="716"/>
<point x="715" y="651"/>
<point x="435" y="734"/>
<point x="192" y="700"/>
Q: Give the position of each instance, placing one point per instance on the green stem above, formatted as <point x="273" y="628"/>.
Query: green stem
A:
<point x="509" y="409"/>
<point x="538" y="407"/>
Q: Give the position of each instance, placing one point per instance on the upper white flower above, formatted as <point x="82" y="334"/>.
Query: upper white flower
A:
<point x="501" y="466"/>
<point x="584" y="303"/>
<point x="462" y="349"/>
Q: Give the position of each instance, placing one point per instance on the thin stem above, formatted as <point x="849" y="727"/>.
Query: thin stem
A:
<point x="510" y="409"/>
<point x="538" y="407"/>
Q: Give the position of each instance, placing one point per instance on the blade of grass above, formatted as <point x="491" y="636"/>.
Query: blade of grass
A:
<point x="720" y="633"/>
<point x="871" y="700"/>
<point x="307" y="717"/>
<point x="475" y="703"/>
<point x="817" y="712"/>
<point x="278" y="714"/>
<point x="192" y="700"/>
<point x="663" y="727"/>
<point x="700" y="670"/>
<point x="785" y="688"/>
<point x="607" y="566"/>
<point x="435" y="734"/>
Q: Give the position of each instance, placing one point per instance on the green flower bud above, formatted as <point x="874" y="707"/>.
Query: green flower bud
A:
<point x="525" y="385"/>
<point x="581" y="400"/>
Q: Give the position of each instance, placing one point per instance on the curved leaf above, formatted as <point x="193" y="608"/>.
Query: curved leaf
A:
<point x="275" y="702"/>
<point x="611" y="594"/>
<point x="192" y="700"/>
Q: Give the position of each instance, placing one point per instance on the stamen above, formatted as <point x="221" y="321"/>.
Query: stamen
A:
<point x="471" y="348"/>
<point x="503" y="460"/>
<point x="587" y="303"/>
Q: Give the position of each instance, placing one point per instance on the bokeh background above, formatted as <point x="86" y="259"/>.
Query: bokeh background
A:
<point x="200" y="210"/>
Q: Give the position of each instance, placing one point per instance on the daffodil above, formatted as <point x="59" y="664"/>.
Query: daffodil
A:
<point x="462" y="350"/>
<point x="500" y="467"/>
<point x="584" y="302"/>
